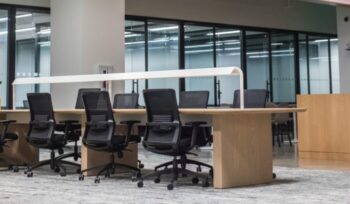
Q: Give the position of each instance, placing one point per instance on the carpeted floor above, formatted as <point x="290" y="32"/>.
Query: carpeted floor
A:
<point x="293" y="185"/>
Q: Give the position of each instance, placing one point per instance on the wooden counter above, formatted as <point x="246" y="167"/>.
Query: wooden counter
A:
<point x="324" y="129"/>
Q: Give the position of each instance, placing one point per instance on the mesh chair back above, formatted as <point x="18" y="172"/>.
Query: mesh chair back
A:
<point x="41" y="111"/>
<point x="161" y="105"/>
<point x="98" y="108"/>
<point x="194" y="99"/>
<point x="79" y="102"/>
<point x="253" y="98"/>
<point x="127" y="101"/>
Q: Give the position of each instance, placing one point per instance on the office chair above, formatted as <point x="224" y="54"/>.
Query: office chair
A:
<point x="166" y="135"/>
<point x="253" y="98"/>
<point x="6" y="137"/>
<point x="128" y="101"/>
<point x="42" y="134"/>
<point x="198" y="99"/>
<point x="100" y="135"/>
<point x="73" y="127"/>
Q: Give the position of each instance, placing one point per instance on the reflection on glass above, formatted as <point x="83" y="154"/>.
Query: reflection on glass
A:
<point x="135" y="55"/>
<point x="3" y="56"/>
<point x="283" y="67"/>
<point x="163" y="52"/>
<point x="199" y="53"/>
<point x="303" y="65"/>
<point x="335" y="65"/>
<point x="257" y="60"/>
<point x="228" y="54"/>
<point x="319" y="65"/>
<point x="32" y="51"/>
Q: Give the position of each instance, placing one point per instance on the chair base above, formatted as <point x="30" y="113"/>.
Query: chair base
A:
<point x="175" y="171"/>
<point x="56" y="164"/>
<point x="109" y="169"/>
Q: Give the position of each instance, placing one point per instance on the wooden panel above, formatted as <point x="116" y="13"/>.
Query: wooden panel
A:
<point x="325" y="127"/>
<point x="242" y="150"/>
<point x="19" y="152"/>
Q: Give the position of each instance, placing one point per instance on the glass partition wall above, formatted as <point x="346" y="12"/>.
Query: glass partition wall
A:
<point x="3" y="57"/>
<point x="285" y="63"/>
<point x="32" y="51"/>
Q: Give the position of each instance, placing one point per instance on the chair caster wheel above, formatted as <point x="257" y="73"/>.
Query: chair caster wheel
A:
<point x="29" y="174"/>
<point x="199" y="169"/>
<point x="195" y="180"/>
<point x="63" y="174"/>
<point x="140" y="184"/>
<point x="97" y="180"/>
<point x="81" y="177"/>
<point x="57" y="169"/>
<point x="10" y="167"/>
<point x="205" y="183"/>
<point x="15" y="169"/>
<point x="141" y="166"/>
<point x="170" y="187"/>
<point x="274" y="175"/>
<point x="157" y="180"/>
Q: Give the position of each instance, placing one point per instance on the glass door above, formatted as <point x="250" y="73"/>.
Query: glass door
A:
<point x="257" y="56"/>
<point x="3" y="56"/>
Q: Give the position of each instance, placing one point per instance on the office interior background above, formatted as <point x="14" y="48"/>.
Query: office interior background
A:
<point x="285" y="61"/>
<point x="288" y="47"/>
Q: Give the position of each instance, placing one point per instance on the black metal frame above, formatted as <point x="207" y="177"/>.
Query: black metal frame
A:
<point x="11" y="51"/>
<point x="243" y="29"/>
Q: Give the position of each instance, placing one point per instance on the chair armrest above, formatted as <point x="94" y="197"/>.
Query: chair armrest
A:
<point x="99" y="123"/>
<point x="6" y="122"/>
<point x="153" y="124"/>
<point x="130" y="122"/>
<point x="69" y="122"/>
<point x="196" y="123"/>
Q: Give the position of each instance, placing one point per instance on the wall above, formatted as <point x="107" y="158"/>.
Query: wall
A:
<point x="85" y="35"/>
<point x="41" y="3"/>
<point x="296" y="15"/>
<point x="344" y="56"/>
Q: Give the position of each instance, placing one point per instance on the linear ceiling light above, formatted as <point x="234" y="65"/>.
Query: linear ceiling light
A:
<point x="225" y="32"/>
<point x="164" y="28"/>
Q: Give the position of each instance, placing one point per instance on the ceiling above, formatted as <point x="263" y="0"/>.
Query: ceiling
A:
<point x="332" y="2"/>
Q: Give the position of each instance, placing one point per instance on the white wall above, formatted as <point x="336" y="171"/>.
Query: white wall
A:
<point x="267" y="13"/>
<point x="41" y="3"/>
<point x="344" y="56"/>
<point x="85" y="33"/>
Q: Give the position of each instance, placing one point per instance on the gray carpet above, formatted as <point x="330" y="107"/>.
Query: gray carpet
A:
<point x="293" y="185"/>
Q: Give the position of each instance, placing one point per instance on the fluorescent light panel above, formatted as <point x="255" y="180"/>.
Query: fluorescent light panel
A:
<point x="164" y="28"/>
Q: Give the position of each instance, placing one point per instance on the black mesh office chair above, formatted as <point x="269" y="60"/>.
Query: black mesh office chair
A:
<point x="253" y="98"/>
<point x="129" y="101"/>
<point x="100" y="135"/>
<point x="198" y="99"/>
<point x="6" y="137"/>
<point x="79" y="102"/>
<point x="167" y="136"/>
<point x="42" y="133"/>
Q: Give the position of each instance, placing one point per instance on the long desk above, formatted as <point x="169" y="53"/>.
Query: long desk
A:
<point x="242" y="147"/>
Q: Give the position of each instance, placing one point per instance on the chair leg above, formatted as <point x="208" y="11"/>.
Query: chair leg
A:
<point x="290" y="139"/>
<point x="40" y="164"/>
<point x="165" y="165"/>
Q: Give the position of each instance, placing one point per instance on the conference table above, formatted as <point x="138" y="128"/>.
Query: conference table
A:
<point x="242" y="144"/>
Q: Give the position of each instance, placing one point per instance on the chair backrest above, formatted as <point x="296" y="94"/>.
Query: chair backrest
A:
<point x="194" y="99"/>
<point x="79" y="102"/>
<point x="161" y="105"/>
<point x="41" y="112"/>
<point x="98" y="109"/>
<point x="253" y="98"/>
<point x="127" y="101"/>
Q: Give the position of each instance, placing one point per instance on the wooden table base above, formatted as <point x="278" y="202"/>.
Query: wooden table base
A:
<point x="242" y="150"/>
